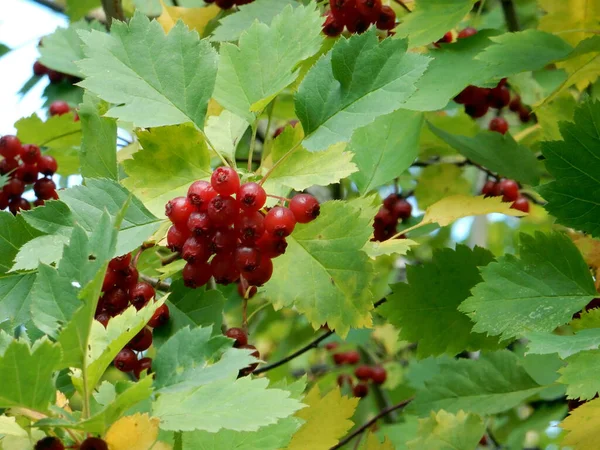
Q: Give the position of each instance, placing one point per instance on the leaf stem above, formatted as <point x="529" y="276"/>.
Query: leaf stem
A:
<point x="510" y="15"/>
<point x="54" y="138"/>
<point x="158" y="284"/>
<point x="279" y="161"/>
<point x="260" y="308"/>
<point x="212" y="147"/>
<point x="252" y="144"/>
<point x="269" y="121"/>
<point x="171" y="258"/>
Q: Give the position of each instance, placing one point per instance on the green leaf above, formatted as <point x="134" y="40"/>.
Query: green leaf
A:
<point x="77" y="9"/>
<point x="575" y="164"/>
<point x="225" y="131"/>
<point x="390" y="247"/>
<point x="445" y="431"/>
<point x="4" y="49"/>
<point x="42" y="249"/>
<point x="385" y="148"/>
<point x="172" y="158"/>
<point x="324" y="274"/>
<point x="359" y="80"/>
<point x="497" y="152"/>
<point x="564" y="345"/>
<point x="431" y="19"/>
<point x="241" y="405"/>
<point x="14" y="233"/>
<point x="271" y="54"/>
<point x="264" y="11"/>
<point x="438" y="181"/>
<point x="491" y="384"/>
<point x="16" y="297"/>
<point x="153" y="79"/>
<point x="428" y="303"/>
<point x="27" y="374"/>
<point x="538" y="292"/>
<point x="99" y="141"/>
<point x="580" y="375"/>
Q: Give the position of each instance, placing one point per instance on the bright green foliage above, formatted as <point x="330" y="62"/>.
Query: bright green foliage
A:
<point x="326" y="255"/>
<point x="16" y="296"/>
<point x="241" y="405"/>
<point x="14" y="232"/>
<point x="385" y="148"/>
<point x="431" y="19"/>
<point x="425" y="309"/>
<point x="538" y="292"/>
<point x="264" y="11"/>
<point x="172" y="158"/>
<point x="44" y="249"/>
<point x="564" y="345"/>
<point x="492" y="384"/>
<point x="225" y="131"/>
<point x="271" y="54"/>
<point x="580" y="375"/>
<point x="575" y="163"/>
<point x="359" y="80"/>
<point x="77" y="9"/>
<point x="439" y="181"/>
<point x="445" y="431"/>
<point x="156" y="79"/>
<point x="497" y="152"/>
<point x="99" y="136"/>
<point x="27" y="374"/>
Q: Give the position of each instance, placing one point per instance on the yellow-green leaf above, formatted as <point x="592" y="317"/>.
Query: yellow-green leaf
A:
<point x="582" y="425"/>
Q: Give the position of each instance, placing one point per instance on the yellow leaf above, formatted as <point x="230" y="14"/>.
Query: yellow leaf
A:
<point x="372" y="443"/>
<point x="194" y="18"/>
<point x="327" y="420"/>
<point x="582" y="425"/>
<point x="388" y="335"/>
<point x="589" y="248"/>
<point x="573" y="19"/>
<point x="137" y="432"/>
<point x="62" y="401"/>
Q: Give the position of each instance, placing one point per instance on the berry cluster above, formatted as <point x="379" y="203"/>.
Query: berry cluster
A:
<point x="241" y="341"/>
<point x="357" y="16"/>
<point x="509" y="191"/>
<point x="121" y="288"/>
<point x="54" y="443"/>
<point x="242" y="238"/>
<point x="393" y="210"/>
<point x="55" y="77"/>
<point x="228" y="4"/>
<point x="23" y="164"/>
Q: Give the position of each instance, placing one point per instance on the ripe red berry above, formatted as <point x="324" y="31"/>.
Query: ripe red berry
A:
<point x="340" y="8"/>
<point x="247" y="259"/>
<point x="178" y="210"/>
<point x="94" y="443"/>
<point x="10" y="146"/>
<point x="225" y="4"/>
<point x="515" y="104"/>
<point x="499" y="97"/>
<point x="401" y="209"/>
<point x="103" y="318"/>
<point x="195" y="250"/>
<point x="49" y="443"/>
<point x="18" y="204"/>
<point x="125" y="360"/>
<point x="250" y="227"/>
<point x="28" y="173"/>
<point x="54" y="76"/>
<point x="200" y="194"/>
<point x="199" y="223"/>
<point x="223" y="211"/>
<point x="363" y="372"/>
<point x="271" y="246"/>
<point x="176" y="238"/>
<point x="352" y="357"/>
<point x="3" y="200"/>
<point x="223" y="241"/>
<point x="344" y="378"/>
<point x="384" y="217"/>
<point x="58" y="108"/>
<point x="196" y="275"/>
<point x="251" y="196"/>
<point x="521" y="204"/>
<point x="14" y="188"/>
<point x="252" y="290"/>
<point x="387" y="18"/>
<point x="47" y="165"/>
<point x="248" y="370"/>
<point x="115" y="300"/>
<point x="144" y="364"/>
<point x="8" y="165"/>
<point x="160" y="316"/>
<point x="141" y="341"/>
<point x="488" y="188"/>
<point x="360" y="390"/>
<point x="223" y="268"/>
<point x="128" y="278"/>
<point x="39" y="69"/>
<point x="44" y="189"/>
<point x="524" y="114"/>
<point x="509" y="190"/>
<point x="498" y="124"/>
<point x="225" y="180"/>
<point x="332" y="27"/>
<point x="369" y="9"/>
<point x="30" y="153"/>
<point x="141" y="294"/>
<point x="110" y="279"/>
<point x="305" y="208"/>
<point x="240" y="336"/>
<point x="280" y="221"/>
<point x="378" y="375"/>
<point x="331" y="346"/>
<point x="120" y="262"/>
<point x="261" y="274"/>
<point x="467" y="32"/>
<point x="339" y="358"/>
<point x="447" y="38"/>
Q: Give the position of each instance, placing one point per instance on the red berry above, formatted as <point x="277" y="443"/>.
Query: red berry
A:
<point x="223" y="211"/>
<point x="271" y="246"/>
<point x="369" y="9"/>
<point x="447" y="38"/>
<point x="141" y="294"/>
<point x="58" y="108"/>
<point x="339" y="358"/>
<point x="14" y="188"/>
<point x="125" y="360"/>
<point x="54" y="76"/>
<point x="477" y="110"/>
<point x="239" y="335"/>
<point x="128" y="278"/>
<point x="3" y="200"/>
<point x="195" y="250"/>
<point x="344" y="378"/>
<point x="340" y="8"/>
<point x="10" y="146"/>
<point x="250" y="226"/>
<point x="242" y="291"/>
<point x="356" y="23"/>
<point x="488" y="188"/>
<point x="390" y="201"/>
<point x="515" y="104"/>
<point x="225" y="180"/>
<point x="160" y="316"/>
<point x="141" y="341"/>
<point x="331" y="345"/>
<point x="176" y="238"/>
<point x="196" y="275"/>
<point x="363" y="372"/>
<point x="94" y="443"/>
<point x="401" y="209"/>
<point x="115" y="300"/>
<point x="8" y="165"/>
<point x="223" y="268"/>
<point x="144" y="364"/>
<point x="360" y="390"/>
<point x="49" y="443"/>
<point x="39" y="69"/>
<point x="103" y="318"/>
<point x="225" y="4"/>
<point x="200" y="194"/>
<point x="509" y="190"/>
<point x="261" y="274"/>
<point x="47" y="165"/>
<point x="498" y="124"/>
<point x="280" y="222"/>
<point x="247" y="259"/>
<point x="467" y="32"/>
<point x="120" y="262"/>
<point x="44" y="189"/>
<point x="352" y="357"/>
<point x="30" y="153"/>
<point x="524" y="114"/>
<point x="110" y="279"/>
<point x="521" y="204"/>
<point x="223" y="241"/>
<point x="18" y="204"/>
<point x="251" y="196"/>
<point x="178" y="210"/>
<point x="294" y="122"/>
<point x="28" y="173"/>
<point x="248" y="370"/>
<point x="384" y="217"/>
<point x="499" y="97"/>
<point x="378" y="375"/>
<point x="199" y="224"/>
<point x="387" y="18"/>
<point x="305" y="208"/>
<point x="332" y="27"/>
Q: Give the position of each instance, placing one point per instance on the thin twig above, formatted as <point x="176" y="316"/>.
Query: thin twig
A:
<point x="252" y="144"/>
<point x="171" y="258"/>
<point x="279" y="161"/>
<point x="510" y="15"/>
<point x="113" y="10"/>
<point x="401" y="3"/>
<point x="158" y="284"/>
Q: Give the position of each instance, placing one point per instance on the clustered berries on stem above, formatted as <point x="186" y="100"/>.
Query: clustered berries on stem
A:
<point x="232" y="238"/>
<point x="509" y="191"/>
<point x="228" y="4"/>
<point x="54" y="76"/>
<point x="24" y="164"/>
<point x="394" y="209"/>
<point x="241" y="341"/>
<point x="357" y="16"/>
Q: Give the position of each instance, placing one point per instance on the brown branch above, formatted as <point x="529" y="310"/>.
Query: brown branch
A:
<point x="510" y="15"/>
<point x="158" y="284"/>
<point x="466" y="162"/>
<point x="113" y="10"/>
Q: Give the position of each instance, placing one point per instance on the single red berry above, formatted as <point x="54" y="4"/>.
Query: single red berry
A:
<point x="225" y="4"/>
<point x="332" y="27"/>
<point x="352" y="357"/>
<point x="18" y="204"/>
<point x="248" y="370"/>
<point x="176" y="238"/>
<point x="387" y="18"/>
<point x="39" y="69"/>
<point x="178" y="210"/>
<point x="271" y="246"/>
<point x="239" y="335"/>
<point x="120" y="262"/>
<point x="498" y="124"/>
<point x="30" y="154"/>
<point x="223" y="241"/>
<point x="195" y="249"/>
<point x="515" y="104"/>
<point x="251" y="196"/>
<point x="356" y="23"/>
<point x="339" y="358"/>
<point x="476" y="110"/>
<point x="390" y="201"/>
<point x="363" y="372"/>
<point x="110" y="279"/>
<point x="369" y="9"/>
<point x="280" y="222"/>
<point x="250" y="226"/>
<point x="10" y="146"/>
<point x="223" y="268"/>
<point x="115" y="300"/>
<point x="521" y="204"/>
<point x="331" y="345"/>
<point x="141" y="341"/>
<point x="225" y="180"/>
<point x="447" y="38"/>
<point x="128" y="278"/>
<point x="94" y="443"/>
<point x="44" y="188"/>
<point x="467" y="32"/>
<point x="499" y="97"/>
<point x="28" y="173"/>
<point x="55" y="77"/>
<point x="141" y="294"/>
<point x="360" y="390"/>
<point x="14" y="188"/>
<point x="340" y="8"/>
<point x="199" y="223"/>
<point x="3" y="200"/>
<point x="38" y="202"/>
<point x="125" y="360"/>
<point x="509" y="190"/>
<point x="160" y="316"/>
<point x="8" y="166"/>
<point x="247" y="259"/>
<point x="384" y="217"/>
<point x="488" y="188"/>
<point x="524" y="114"/>
<point x="401" y="209"/>
<point x="103" y="318"/>
<point x="144" y="364"/>
<point x="378" y="375"/>
<point x="49" y="443"/>
<point x="223" y="211"/>
<point x="196" y="275"/>
<point x="305" y="208"/>
<point x="252" y="290"/>
<point x="200" y="194"/>
<point x="58" y="108"/>
<point x="47" y="165"/>
<point x="483" y="440"/>
<point x="261" y="274"/>
<point x="343" y="379"/>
